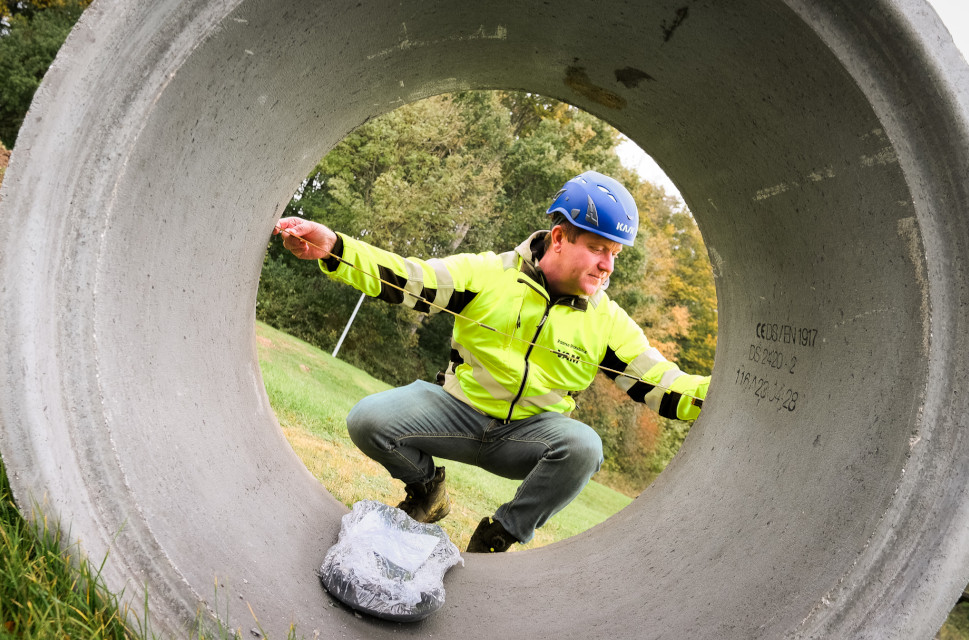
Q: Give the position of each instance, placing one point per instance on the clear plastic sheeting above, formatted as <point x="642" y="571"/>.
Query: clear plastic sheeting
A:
<point x="387" y="564"/>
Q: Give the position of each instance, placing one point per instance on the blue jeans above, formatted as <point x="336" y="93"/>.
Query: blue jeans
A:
<point x="553" y="455"/>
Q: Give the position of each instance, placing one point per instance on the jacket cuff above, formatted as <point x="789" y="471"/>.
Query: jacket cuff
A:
<point x="333" y="261"/>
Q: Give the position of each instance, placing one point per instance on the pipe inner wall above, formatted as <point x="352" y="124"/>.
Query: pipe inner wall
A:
<point x="822" y="148"/>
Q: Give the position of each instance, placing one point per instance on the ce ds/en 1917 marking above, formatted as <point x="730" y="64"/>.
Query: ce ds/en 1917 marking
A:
<point x="786" y="334"/>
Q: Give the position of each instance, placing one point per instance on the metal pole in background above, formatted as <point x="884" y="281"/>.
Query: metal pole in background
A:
<point x="349" y="322"/>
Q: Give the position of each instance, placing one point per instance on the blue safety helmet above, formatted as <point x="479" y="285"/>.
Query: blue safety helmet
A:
<point x="598" y="203"/>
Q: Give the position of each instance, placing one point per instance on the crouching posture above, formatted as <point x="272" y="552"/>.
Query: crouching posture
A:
<point x="532" y="327"/>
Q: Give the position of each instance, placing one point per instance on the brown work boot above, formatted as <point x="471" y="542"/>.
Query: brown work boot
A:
<point x="427" y="501"/>
<point x="490" y="537"/>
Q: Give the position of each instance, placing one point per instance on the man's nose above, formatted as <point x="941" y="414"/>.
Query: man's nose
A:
<point x="607" y="262"/>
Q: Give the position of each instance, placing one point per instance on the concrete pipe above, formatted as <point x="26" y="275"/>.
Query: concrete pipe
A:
<point x="823" y="147"/>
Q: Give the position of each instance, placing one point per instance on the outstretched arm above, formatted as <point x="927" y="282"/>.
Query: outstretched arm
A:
<point x="648" y="377"/>
<point x="427" y="286"/>
<point x="306" y="239"/>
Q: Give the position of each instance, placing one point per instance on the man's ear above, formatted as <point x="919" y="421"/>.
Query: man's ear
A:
<point x="558" y="237"/>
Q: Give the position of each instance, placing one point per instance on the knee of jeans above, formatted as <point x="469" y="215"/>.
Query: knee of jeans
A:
<point x="586" y="448"/>
<point x="360" y="424"/>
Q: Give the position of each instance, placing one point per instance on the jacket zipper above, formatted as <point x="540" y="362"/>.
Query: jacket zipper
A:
<point x="538" y="330"/>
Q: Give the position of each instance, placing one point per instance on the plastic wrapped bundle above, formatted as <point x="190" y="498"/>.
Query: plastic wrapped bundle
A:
<point x="387" y="564"/>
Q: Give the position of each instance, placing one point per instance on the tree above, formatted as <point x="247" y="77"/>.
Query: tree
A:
<point x="31" y="34"/>
<point x="543" y="154"/>
<point x="30" y="8"/>
<point x="691" y="288"/>
<point x="4" y="161"/>
<point x="683" y="321"/>
<point x="416" y="180"/>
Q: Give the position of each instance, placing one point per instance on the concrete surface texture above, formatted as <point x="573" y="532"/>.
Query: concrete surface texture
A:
<point x="821" y="145"/>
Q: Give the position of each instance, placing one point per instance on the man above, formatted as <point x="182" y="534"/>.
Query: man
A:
<point x="532" y="328"/>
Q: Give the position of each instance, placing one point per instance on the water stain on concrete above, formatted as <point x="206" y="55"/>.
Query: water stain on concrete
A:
<point x="577" y="79"/>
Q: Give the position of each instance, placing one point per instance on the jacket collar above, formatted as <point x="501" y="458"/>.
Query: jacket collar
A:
<point x="531" y="252"/>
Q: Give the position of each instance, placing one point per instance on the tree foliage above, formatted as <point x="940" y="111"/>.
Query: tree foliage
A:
<point x="30" y="8"/>
<point x="4" y="160"/>
<point x="472" y="172"/>
<point x="30" y="35"/>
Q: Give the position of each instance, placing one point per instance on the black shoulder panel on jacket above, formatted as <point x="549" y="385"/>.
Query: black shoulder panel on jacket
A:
<point x="459" y="300"/>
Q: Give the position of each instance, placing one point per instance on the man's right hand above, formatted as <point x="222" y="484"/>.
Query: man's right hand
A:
<point x="305" y="239"/>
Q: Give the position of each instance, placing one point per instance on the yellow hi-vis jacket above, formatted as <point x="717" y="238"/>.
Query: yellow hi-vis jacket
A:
<point x="499" y="372"/>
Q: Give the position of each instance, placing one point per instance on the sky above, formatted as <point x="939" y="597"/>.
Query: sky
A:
<point x="955" y="16"/>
